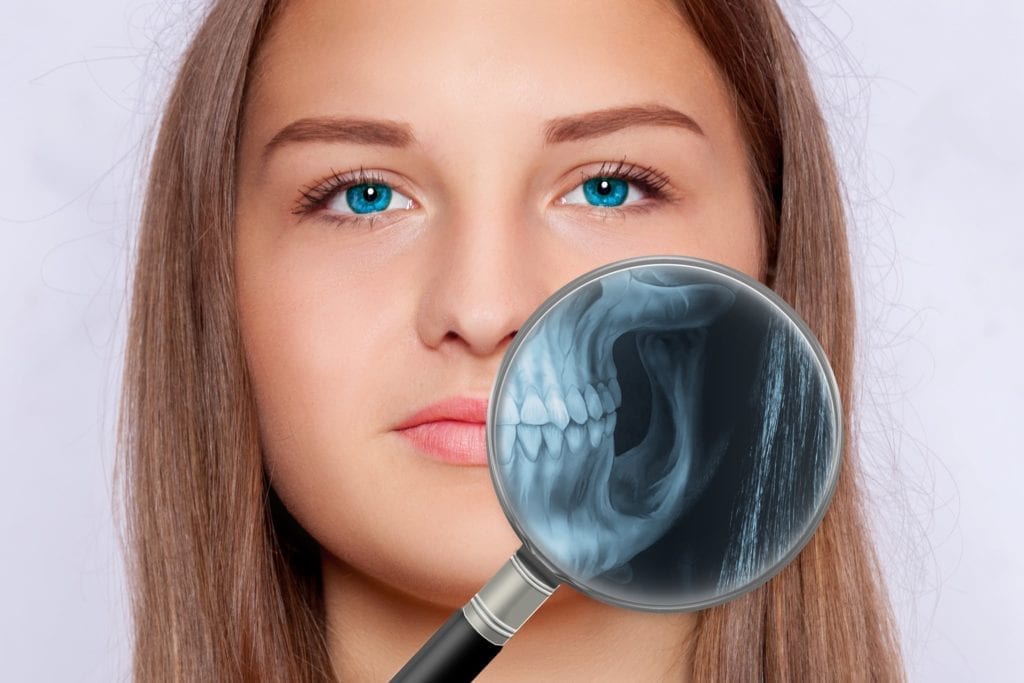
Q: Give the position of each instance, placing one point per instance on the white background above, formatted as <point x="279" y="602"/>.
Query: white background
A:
<point x="927" y="107"/>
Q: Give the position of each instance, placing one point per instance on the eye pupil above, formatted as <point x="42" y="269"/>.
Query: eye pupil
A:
<point x="368" y="198"/>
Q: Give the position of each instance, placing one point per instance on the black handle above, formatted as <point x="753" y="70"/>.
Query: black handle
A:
<point x="455" y="653"/>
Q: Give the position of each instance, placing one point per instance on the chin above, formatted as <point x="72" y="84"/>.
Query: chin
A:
<point x="449" y="567"/>
<point x="437" y="549"/>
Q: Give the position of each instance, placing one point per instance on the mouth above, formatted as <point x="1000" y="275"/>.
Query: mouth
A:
<point x="452" y="431"/>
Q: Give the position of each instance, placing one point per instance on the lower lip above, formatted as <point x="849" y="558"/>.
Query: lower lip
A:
<point x="451" y="442"/>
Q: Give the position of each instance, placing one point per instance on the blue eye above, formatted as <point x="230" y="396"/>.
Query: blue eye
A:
<point x="368" y="198"/>
<point x="606" y="191"/>
<point x="603" y="191"/>
<point x="365" y="198"/>
<point x="354" y="197"/>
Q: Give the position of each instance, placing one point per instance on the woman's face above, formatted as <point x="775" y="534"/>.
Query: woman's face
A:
<point x="413" y="184"/>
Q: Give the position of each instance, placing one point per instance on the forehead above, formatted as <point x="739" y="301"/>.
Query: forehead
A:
<point x="477" y="63"/>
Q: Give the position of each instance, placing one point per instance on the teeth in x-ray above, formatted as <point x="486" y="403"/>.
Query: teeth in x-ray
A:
<point x="609" y="424"/>
<point x="595" y="428"/>
<point x="533" y="412"/>
<point x="595" y="400"/>
<point x="556" y="409"/>
<point x="607" y="402"/>
<point x="538" y="425"/>
<point x="553" y="439"/>
<point x="576" y="406"/>
<point x="529" y="436"/>
<point x="616" y="392"/>
<point x="574" y="436"/>
<point x="507" y="414"/>
<point x="594" y="406"/>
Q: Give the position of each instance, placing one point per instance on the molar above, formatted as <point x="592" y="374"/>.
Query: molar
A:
<point x="607" y="402"/>
<point x="616" y="391"/>
<point x="595" y="429"/>
<point x="593" y="402"/>
<point x="609" y="424"/>
<point x="574" y="436"/>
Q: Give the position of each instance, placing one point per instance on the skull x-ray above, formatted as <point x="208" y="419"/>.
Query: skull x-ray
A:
<point x="665" y="435"/>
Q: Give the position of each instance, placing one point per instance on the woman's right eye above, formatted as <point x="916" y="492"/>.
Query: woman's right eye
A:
<point x="364" y="198"/>
<point x="352" y="197"/>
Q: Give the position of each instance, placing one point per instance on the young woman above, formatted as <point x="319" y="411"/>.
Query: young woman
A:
<point x="352" y="208"/>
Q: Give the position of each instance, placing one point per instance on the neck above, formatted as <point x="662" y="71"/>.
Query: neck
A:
<point x="374" y="629"/>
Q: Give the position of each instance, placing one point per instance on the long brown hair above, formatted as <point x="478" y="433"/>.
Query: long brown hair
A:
<point x="225" y="585"/>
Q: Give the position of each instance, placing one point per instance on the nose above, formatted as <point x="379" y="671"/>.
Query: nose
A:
<point x="484" y="279"/>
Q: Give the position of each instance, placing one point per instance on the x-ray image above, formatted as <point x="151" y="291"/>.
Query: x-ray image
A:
<point x="665" y="435"/>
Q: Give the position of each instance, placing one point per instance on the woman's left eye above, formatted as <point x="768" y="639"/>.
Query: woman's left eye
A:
<point x="619" y="184"/>
<point x="600" y="191"/>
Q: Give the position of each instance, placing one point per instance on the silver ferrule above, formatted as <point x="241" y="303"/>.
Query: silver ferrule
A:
<point x="506" y="601"/>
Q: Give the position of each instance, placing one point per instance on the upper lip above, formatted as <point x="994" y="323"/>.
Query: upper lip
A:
<point x="454" y="409"/>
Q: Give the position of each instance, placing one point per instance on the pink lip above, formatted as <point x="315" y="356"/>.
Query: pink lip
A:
<point x="452" y="431"/>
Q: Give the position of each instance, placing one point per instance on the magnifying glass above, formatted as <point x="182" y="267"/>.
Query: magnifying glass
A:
<point x="664" y="434"/>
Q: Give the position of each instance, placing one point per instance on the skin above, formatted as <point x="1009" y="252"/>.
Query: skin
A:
<point x="351" y="328"/>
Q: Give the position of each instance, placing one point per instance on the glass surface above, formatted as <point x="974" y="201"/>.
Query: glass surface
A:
<point x="664" y="433"/>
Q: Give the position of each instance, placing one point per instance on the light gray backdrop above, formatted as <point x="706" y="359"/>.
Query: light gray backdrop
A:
<point x="926" y="107"/>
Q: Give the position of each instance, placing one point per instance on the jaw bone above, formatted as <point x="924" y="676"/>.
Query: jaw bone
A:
<point x="590" y="510"/>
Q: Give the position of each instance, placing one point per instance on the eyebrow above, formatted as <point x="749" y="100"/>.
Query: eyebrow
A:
<point x="332" y="129"/>
<point x="606" y="121"/>
<point x="384" y="133"/>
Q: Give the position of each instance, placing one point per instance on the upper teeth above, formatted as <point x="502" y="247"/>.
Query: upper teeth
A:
<point x="558" y="422"/>
<point x="594" y="401"/>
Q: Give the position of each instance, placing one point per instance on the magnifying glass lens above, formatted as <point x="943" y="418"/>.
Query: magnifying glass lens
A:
<point x="664" y="434"/>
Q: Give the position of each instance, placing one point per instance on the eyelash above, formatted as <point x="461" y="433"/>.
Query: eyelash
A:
<point x="652" y="182"/>
<point x="315" y="197"/>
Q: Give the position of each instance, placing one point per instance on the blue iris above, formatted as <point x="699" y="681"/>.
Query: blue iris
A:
<point x="368" y="197"/>
<point x="605" y="191"/>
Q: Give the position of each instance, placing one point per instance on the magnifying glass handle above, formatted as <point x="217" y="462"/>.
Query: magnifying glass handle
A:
<point x="475" y="634"/>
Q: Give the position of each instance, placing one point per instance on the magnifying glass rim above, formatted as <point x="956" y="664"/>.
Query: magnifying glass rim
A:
<point x="758" y="288"/>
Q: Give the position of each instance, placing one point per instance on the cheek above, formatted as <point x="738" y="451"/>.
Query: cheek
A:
<point x="720" y="224"/>
<point x="730" y="230"/>
<point x="312" y="349"/>
<point x="332" y="363"/>
<point x="723" y="221"/>
<point x="299" y="343"/>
